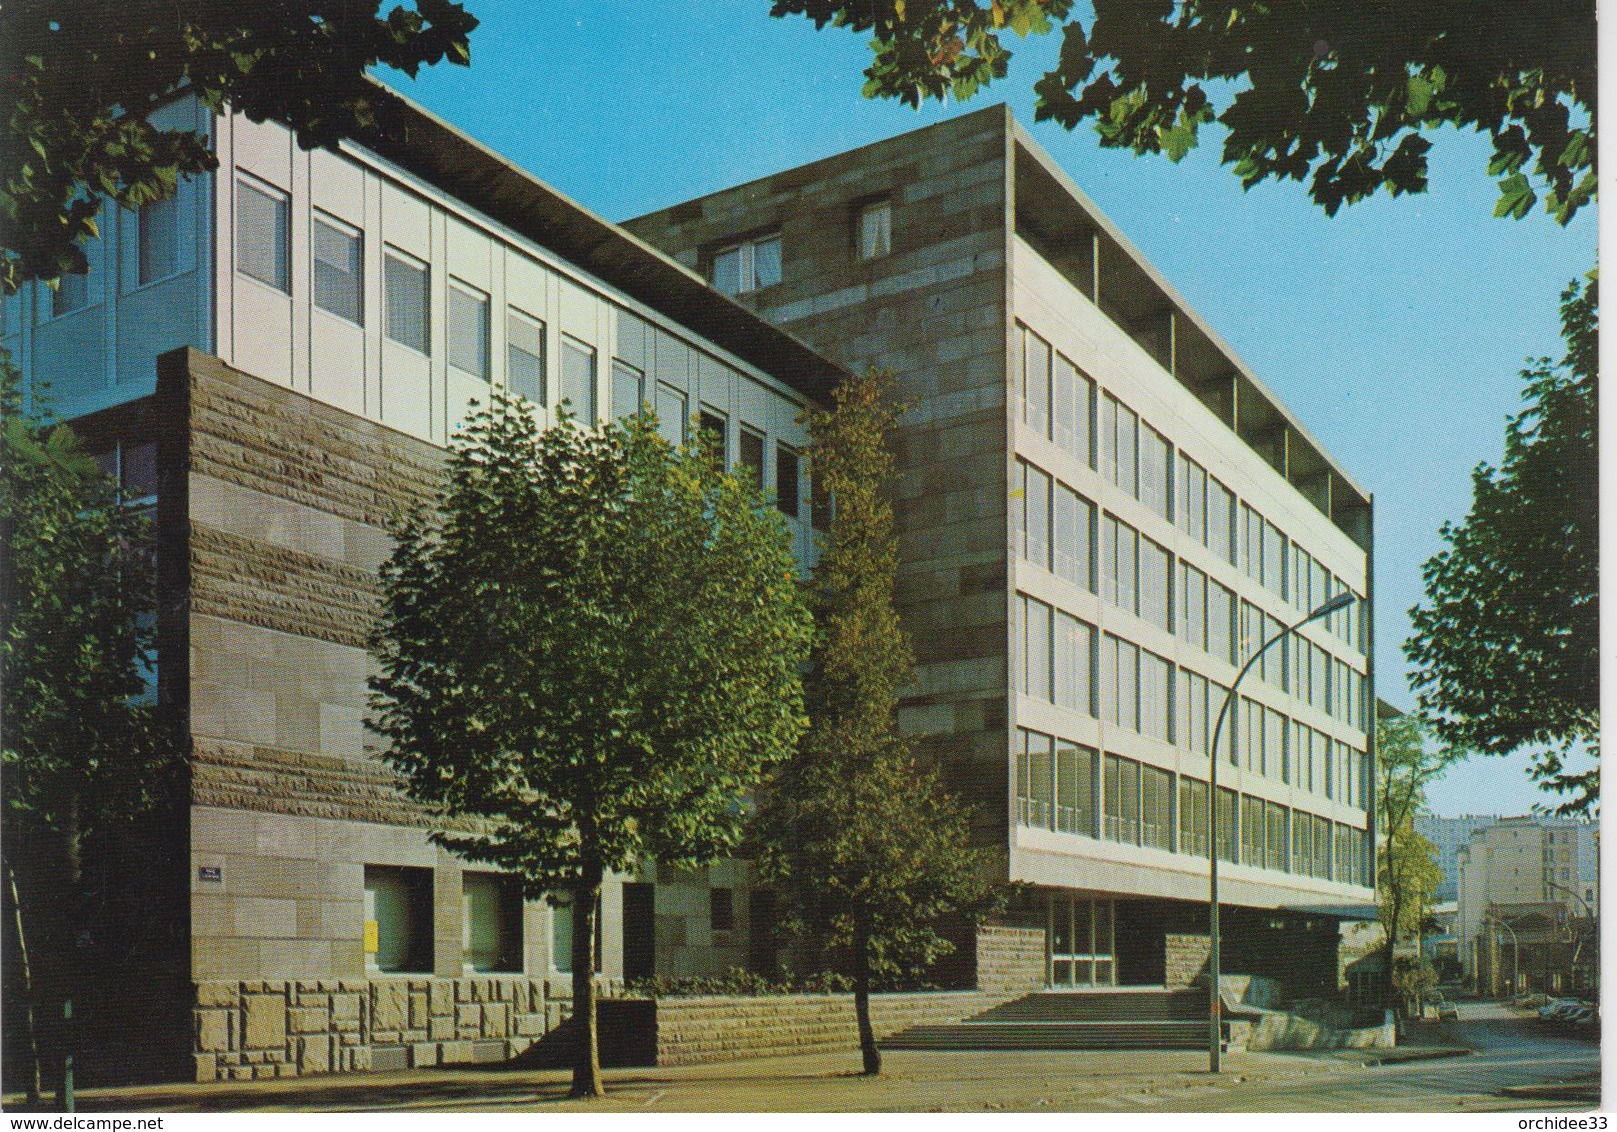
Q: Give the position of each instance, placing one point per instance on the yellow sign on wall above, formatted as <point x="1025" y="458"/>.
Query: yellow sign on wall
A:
<point x="372" y="938"/>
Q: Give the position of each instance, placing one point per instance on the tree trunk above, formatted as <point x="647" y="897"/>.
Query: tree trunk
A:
<point x="861" y="1001"/>
<point x="74" y="837"/>
<point x="35" y="1080"/>
<point x="586" y="1051"/>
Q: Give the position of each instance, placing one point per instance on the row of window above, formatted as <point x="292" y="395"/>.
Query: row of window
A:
<point x="399" y="922"/>
<point x="1061" y="660"/>
<point x="262" y="242"/>
<point x="755" y="263"/>
<point x="1056" y="529"/>
<point x="154" y="233"/>
<point x="1064" y="405"/>
<point x="1069" y="788"/>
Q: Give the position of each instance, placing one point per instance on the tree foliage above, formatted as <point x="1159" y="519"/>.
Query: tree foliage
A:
<point x="871" y="849"/>
<point x="1407" y="873"/>
<point x="1506" y="646"/>
<point x="77" y="596"/>
<point x="588" y="656"/>
<point x="1343" y="96"/>
<point x="80" y="753"/>
<point x="81" y="80"/>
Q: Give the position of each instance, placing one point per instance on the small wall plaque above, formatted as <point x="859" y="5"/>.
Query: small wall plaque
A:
<point x="211" y="874"/>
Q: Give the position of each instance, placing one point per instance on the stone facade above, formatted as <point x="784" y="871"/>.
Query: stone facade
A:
<point x="1040" y="362"/>
<point x="295" y="1027"/>
<point x="935" y="312"/>
<point x="1010" y="960"/>
<point x="1186" y="959"/>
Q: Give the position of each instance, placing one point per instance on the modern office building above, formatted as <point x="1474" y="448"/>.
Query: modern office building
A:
<point x="273" y="361"/>
<point x="1102" y="513"/>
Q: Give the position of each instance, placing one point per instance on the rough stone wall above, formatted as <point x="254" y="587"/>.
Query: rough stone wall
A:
<point x="935" y="311"/>
<point x="287" y="502"/>
<point x="1187" y="957"/>
<point x="704" y="1029"/>
<point x="1010" y="960"/>
<point x="289" y="1028"/>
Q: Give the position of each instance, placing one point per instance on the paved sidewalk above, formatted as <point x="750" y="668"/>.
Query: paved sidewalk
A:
<point x="1130" y="1080"/>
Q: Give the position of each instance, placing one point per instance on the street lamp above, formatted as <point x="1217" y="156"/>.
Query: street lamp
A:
<point x="1515" y="951"/>
<point x="1215" y="1035"/>
<point x="1594" y="927"/>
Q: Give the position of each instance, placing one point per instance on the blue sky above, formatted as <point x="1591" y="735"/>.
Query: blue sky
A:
<point x="1395" y="330"/>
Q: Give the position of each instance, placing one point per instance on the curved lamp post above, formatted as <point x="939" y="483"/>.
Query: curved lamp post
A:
<point x="1594" y="925"/>
<point x="1215" y="1035"/>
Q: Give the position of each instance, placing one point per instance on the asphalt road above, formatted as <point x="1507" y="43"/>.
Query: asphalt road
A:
<point x="1510" y="1050"/>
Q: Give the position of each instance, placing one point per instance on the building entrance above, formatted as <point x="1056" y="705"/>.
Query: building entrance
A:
<point x="1082" y="942"/>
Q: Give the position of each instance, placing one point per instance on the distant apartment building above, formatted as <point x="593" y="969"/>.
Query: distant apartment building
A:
<point x="1533" y="869"/>
<point x="1449" y="836"/>
<point x="1102" y="514"/>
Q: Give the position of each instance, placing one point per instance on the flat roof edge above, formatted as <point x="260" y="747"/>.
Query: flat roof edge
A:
<point x="1094" y="214"/>
<point x="445" y="156"/>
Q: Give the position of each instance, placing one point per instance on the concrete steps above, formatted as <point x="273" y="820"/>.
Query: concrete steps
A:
<point x="1062" y="1020"/>
<point x="1052" y="1036"/>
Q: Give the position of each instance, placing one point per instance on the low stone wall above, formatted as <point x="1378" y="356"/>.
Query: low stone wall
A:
<point x="289" y="1028"/>
<point x="1276" y="1030"/>
<point x="695" y="1030"/>
<point x="1010" y="960"/>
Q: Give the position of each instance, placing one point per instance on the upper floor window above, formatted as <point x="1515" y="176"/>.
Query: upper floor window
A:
<point x="671" y="413"/>
<point x="578" y="379"/>
<point x="263" y="225"/>
<point x="876" y="229"/>
<point x="750" y="265"/>
<point x="752" y="457"/>
<point x="628" y="390"/>
<point x="407" y="284"/>
<point x="339" y="268"/>
<point x="158" y="236"/>
<point x="786" y="480"/>
<point x="715" y="431"/>
<point x="468" y="330"/>
<point x="525" y="355"/>
<point x="72" y="293"/>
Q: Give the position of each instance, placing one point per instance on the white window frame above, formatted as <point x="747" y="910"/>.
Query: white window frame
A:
<point x="245" y="180"/>
<point x="875" y="229"/>
<point x="747" y="280"/>
<point x="353" y="232"/>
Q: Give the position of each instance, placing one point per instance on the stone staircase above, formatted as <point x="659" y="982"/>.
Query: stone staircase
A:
<point x="1149" y="1018"/>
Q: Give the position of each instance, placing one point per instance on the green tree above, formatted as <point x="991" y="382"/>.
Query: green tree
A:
<point x="871" y="850"/>
<point x="1407" y="873"/>
<point x="1342" y="95"/>
<point x="1505" y="648"/>
<point x="588" y="655"/>
<point x="79" y="754"/>
<point x="81" y="81"/>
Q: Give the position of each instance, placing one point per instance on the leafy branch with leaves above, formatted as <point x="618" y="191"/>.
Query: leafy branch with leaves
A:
<point x="1506" y="647"/>
<point x="1344" y="96"/>
<point x="82" y="80"/>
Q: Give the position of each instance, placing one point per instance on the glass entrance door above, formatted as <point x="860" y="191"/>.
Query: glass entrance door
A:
<point x="1082" y="942"/>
